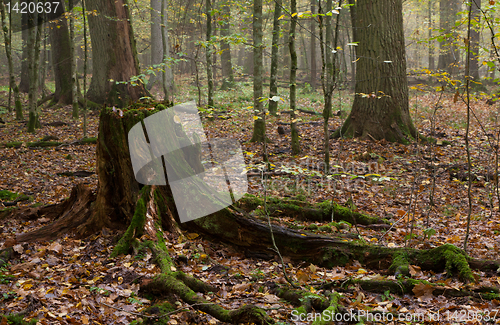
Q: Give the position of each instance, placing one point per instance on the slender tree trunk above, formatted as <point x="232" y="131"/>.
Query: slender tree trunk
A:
<point x="84" y="12"/>
<point x="12" y="80"/>
<point x="227" y="66"/>
<point x="380" y="108"/>
<point x="24" y="84"/>
<point x="273" y="84"/>
<point x="314" y="73"/>
<point x="33" y="60"/>
<point x="285" y="55"/>
<point x="208" y="52"/>
<point x="259" y="126"/>
<point x="74" y="94"/>
<point x="114" y="55"/>
<point x="293" y="80"/>
<point x="43" y="66"/>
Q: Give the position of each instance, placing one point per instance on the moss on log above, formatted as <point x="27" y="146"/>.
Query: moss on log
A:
<point x="302" y="210"/>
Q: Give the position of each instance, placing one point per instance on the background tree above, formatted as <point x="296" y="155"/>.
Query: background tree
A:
<point x="273" y="83"/>
<point x="448" y="53"/>
<point x="35" y="31"/>
<point x="12" y="81"/>
<point x="259" y="126"/>
<point x="157" y="52"/>
<point x="114" y="56"/>
<point x="293" y="79"/>
<point x="61" y="55"/>
<point x="208" y="53"/>
<point x="380" y="108"/>
<point x="225" y="47"/>
<point x="312" y="36"/>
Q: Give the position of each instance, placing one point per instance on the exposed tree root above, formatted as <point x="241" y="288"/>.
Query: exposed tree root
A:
<point x="145" y="231"/>
<point x="69" y="214"/>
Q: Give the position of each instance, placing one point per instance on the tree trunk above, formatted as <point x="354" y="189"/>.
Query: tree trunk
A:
<point x="35" y="29"/>
<point x="157" y="36"/>
<point x="74" y="81"/>
<point x="431" y="42"/>
<point x="380" y="107"/>
<point x="61" y="57"/>
<point x="474" y="46"/>
<point x="313" y="36"/>
<point x="293" y="80"/>
<point x="24" y="84"/>
<point x="273" y="83"/>
<point x="114" y="56"/>
<point x="12" y="80"/>
<point x="209" y="52"/>
<point x="227" y="66"/>
<point x="259" y="126"/>
<point x="448" y="54"/>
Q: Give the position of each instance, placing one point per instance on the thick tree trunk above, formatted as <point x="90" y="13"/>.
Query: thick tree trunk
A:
<point x="475" y="35"/>
<point x="448" y="54"/>
<point x="157" y="37"/>
<point x="380" y="107"/>
<point x="61" y="57"/>
<point x="114" y="56"/>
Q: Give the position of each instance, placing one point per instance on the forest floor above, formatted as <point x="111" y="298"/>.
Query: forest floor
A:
<point x="74" y="281"/>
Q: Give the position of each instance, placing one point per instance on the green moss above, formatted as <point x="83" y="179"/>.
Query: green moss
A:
<point x="400" y="264"/>
<point x="15" y="144"/>
<point x="136" y="226"/>
<point x="312" y="227"/>
<point x="454" y="259"/>
<point x="325" y="228"/>
<point x="16" y="319"/>
<point x="160" y="310"/>
<point x="44" y="144"/>
<point x="88" y="141"/>
<point x="8" y="195"/>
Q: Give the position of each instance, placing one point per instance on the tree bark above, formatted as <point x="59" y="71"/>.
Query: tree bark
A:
<point x="293" y="81"/>
<point x="61" y="56"/>
<point x="273" y="83"/>
<point x="114" y="56"/>
<point x="227" y="66"/>
<point x="24" y="84"/>
<point x="157" y="36"/>
<point x="12" y="81"/>
<point x="380" y="107"/>
<point x="475" y="35"/>
<point x="313" y="36"/>
<point x="259" y="126"/>
<point x="448" y="53"/>
<point x="208" y="53"/>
